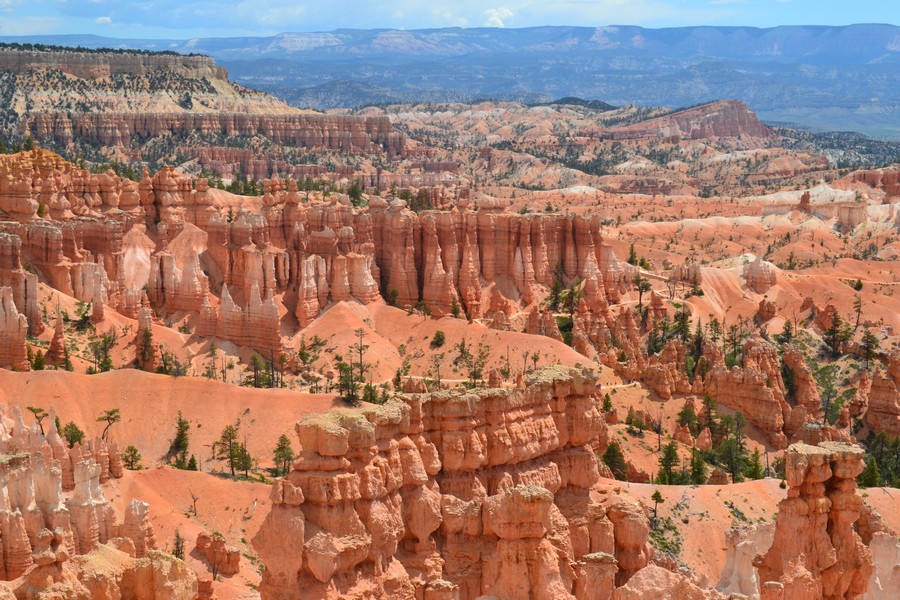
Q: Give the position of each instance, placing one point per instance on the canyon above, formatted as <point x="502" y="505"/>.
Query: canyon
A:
<point x="434" y="352"/>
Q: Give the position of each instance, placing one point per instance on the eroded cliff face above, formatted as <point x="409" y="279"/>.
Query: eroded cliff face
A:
<point x="453" y="495"/>
<point x="290" y="257"/>
<point x="883" y="412"/>
<point x="72" y="545"/>
<point x="726" y="118"/>
<point x="100" y="65"/>
<point x="816" y="553"/>
<point x="120" y="100"/>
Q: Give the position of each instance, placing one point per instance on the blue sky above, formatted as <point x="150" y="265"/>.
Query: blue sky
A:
<point x="183" y="19"/>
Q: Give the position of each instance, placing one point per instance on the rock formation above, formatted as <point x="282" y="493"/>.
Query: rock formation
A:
<point x="739" y="576"/>
<point x="760" y="275"/>
<point x="816" y="553"/>
<point x="223" y="559"/>
<point x="725" y="118"/>
<point x="497" y="479"/>
<point x="883" y="413"/>
<point x="661" y="584"/>
<point x="13" y="330"/>
<point x="885" y="582"/>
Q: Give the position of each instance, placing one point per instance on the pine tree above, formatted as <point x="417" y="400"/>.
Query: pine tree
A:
<point x="657" y="500"/>
<point x="698" y="468"/>
<point x="110" y="417"/>
<point x="871" y="476"/>
<point x="615" y="460"/>
<point x="870" y="346"/>
<point x="192" y="463"/>
<point x="226" y="448"/>
<point x="72" y="434"/>
<point x="284" y="454"/>
<point x="754" y="468"/>
<point x="181" y="442"/>
<point x="178" y="545"/>
<point x="732" y="458"/>
<point x="607" y="403"/>
<point x="39" y="415"/>
<point x="687" y="417"/>
<point x="668" y="462"/>
<point x="132" y="458"/>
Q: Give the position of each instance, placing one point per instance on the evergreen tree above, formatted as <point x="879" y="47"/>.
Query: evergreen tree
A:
<point x="615" y="460"/>
<point x="754" y="468"/>
<point x="871" y="475"/>
<point x="72" y="434"/>
<point x="698" y="468"/>
<point x="227" y="448"/>
<point x="178" y="545"/>
<point x="668" y="462"/>
<point x="132" y="458"/>
<point x="732" y="458"/>
<point x="284" y="454"/>
<point x="39" y="415"/>
<point x="657" y="500"/>
<point x="192" y="463"/>
<point x="687" y="417"/>
<point x="244" y="460"/>
<point x="870" y="346"/>
<point x="181" y="442"/>
<point x="607" y="403"/>
<point x="110" y="417"/>
<point x="709" y="409"/>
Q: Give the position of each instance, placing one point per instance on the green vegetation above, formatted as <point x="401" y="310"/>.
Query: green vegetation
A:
<point x="132" y="458"/>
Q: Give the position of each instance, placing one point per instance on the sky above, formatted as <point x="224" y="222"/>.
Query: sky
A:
<point x="184" y="19"/>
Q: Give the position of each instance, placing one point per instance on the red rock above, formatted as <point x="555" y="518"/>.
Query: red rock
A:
<point x="816" y="552"/>
<point x="517" y="483"/>
<point x="223" y="560"/>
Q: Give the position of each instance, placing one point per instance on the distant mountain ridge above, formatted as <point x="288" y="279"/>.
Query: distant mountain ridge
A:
<point x="830" y="78"/>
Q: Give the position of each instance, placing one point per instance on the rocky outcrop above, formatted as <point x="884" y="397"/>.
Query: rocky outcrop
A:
<point x="496" y="479"/>
<point x="662" y="584"/>
<point x="816" y="553"/>
<point x="343" y="133"/>
<point x="13" y="330"/>
<point x="31" y="486"/>
<point x="743" y="544"/>
<point x="725" y="118"/>
<point x="24" y="285"/>
<point x="222" y="559"/>
<point x="107" y="573"/>
<point x="883" y="413"/>
<point x="299" y="257"/>
<point x="756" y="389"/>
<point x="57" y="352"/>
<point x="136" y="526"/>
<point x="885" y="582"/>
<point x="100" y="65"/>
<point x="760" y="275"/>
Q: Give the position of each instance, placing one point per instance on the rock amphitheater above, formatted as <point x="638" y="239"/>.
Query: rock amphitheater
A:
<point x="438" y="374"/>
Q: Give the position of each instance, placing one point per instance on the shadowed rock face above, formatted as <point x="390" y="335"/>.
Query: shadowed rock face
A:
<point x="482" y="493"/>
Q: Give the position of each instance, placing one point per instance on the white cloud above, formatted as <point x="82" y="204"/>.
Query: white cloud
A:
<point x="497" y="16"/>
<point x="103" y="20"/>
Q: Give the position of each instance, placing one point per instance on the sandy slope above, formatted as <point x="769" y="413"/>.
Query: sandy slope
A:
<point x="236" y="509"/>
<point x="150" y="403"/>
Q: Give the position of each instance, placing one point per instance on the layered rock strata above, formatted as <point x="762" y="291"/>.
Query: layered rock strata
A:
<point x="452" y="495"/>
<point x="816" y="553"/>
<point x="252" y="269"/>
